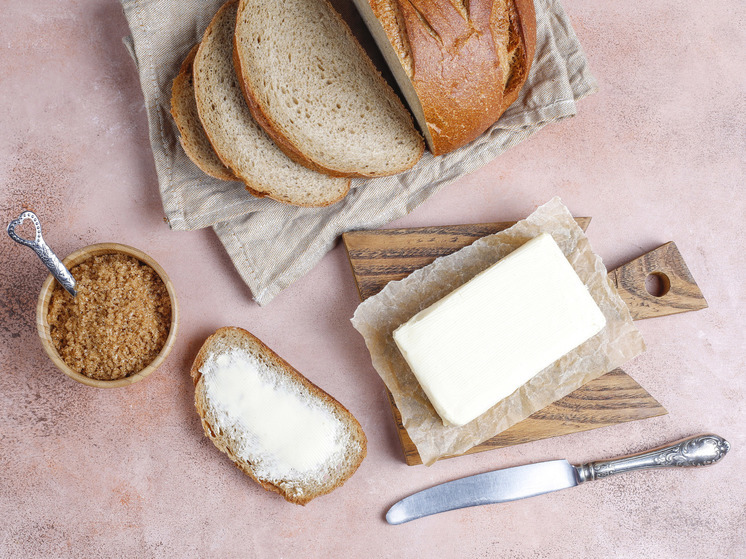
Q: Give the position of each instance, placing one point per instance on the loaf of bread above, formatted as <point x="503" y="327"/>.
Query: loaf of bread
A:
<point x="316" y="92"/>
<point x="459" y="64"/>
<point x="192" y="136"/>
<point x="285" y="432"/>
<point x="238" y="140"/>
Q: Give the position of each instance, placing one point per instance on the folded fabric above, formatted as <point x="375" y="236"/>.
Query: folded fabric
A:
<point x="272" y="244"/>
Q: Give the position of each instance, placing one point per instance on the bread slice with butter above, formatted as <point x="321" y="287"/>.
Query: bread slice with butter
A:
<point x="282" y="430"/>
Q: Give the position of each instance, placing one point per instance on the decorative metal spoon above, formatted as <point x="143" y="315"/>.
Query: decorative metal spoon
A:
<point x="41" y="249"/>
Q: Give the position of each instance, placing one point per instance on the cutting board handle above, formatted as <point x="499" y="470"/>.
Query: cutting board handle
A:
<point x="658" y="283"/>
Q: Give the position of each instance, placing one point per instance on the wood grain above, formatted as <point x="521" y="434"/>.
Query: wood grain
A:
<point x="377" y="257"/>
<point x="680" y="293"/>
<point x="608" y="400"/>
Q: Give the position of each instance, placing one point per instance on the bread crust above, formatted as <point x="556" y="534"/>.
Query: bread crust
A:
<point x="181" y="88"/>
<point x="450" y="54"/>
<point x="456" y="69"/>
<point x="274" y="131"/>
<point x="284" y="368"/>
<point x="525" y="26"/>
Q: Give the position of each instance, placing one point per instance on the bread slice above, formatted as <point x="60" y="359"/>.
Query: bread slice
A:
<point x="313" y="88"/>
<point x="238" y="140"/>
<point x="460" y="65"/>
<point x="192" y="136"/>
<point x="285" y="432"/>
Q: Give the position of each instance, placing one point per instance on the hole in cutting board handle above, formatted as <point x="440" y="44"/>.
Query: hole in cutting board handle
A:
<point x="657" y="284"/>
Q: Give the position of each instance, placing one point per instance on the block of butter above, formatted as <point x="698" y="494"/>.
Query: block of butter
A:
<point x="487" y="338"/>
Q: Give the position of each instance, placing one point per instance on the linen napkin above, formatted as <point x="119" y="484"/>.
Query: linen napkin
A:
<point x="272" y="244"/>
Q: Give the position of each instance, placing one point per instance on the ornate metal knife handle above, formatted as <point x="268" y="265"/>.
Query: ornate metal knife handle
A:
<point x="41" y="249"/>
<point x="694" y="451"/>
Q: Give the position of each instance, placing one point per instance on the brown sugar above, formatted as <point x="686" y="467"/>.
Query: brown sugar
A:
<point x="118" y="322"/>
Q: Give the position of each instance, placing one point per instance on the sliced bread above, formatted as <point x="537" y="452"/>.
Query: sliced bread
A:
<point x="313" y="88"/>
<point x="238" y="140"/>
<point x="282" y="430"/>
<point x="192" y="136"/>
<point x="458" y="64"/>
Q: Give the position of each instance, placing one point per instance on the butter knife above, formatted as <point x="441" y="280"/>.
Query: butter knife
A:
<point x="520" y="482"/>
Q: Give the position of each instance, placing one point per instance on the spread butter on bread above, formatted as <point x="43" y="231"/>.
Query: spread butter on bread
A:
<point x="460" y="65"/>
<point x="312" y="87"/>
<point x="240" y="143"/>
<point x="278" y="427"/>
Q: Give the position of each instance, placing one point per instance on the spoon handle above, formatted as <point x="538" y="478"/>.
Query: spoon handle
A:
<point x="49" y="258"/>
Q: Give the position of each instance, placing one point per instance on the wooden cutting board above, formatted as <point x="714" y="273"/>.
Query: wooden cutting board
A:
<point x="378" y="257"/>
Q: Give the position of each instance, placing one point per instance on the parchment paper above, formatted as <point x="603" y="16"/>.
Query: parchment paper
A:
<point x="377" y="317"/>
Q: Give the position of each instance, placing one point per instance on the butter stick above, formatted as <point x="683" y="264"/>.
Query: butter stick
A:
<point x="487" y="338"/>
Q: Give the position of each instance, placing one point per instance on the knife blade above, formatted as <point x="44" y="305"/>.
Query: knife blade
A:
<point x="520" y="482"/>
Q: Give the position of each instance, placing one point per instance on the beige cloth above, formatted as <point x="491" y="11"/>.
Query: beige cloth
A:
<point x="272" y="244"/>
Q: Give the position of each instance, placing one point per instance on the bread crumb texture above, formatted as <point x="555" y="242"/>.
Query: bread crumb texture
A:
<point x="118" y="322"/>
<point x="316" y="87"/>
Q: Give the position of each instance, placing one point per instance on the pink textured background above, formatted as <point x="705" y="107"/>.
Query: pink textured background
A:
<point x="658" y="154"/>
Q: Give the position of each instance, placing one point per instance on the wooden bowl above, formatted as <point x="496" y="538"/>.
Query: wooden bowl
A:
<point x="42" y="309"/>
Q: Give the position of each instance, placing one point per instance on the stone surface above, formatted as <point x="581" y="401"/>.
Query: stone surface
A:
<point x="658" y="154"/>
